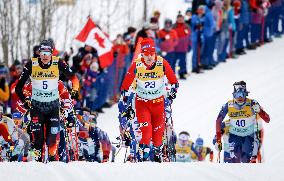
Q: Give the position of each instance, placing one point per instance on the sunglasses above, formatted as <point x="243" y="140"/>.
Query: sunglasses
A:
<point x="148" y="53"/>
<point x="45" y="53"/>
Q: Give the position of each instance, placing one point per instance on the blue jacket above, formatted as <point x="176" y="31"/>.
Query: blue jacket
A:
<point x="209" y="23"/>
<point x="197" y="26"/>
<point x="244" y="13"/>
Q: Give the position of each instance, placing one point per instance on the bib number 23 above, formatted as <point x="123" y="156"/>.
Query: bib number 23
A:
<point x="150" y="84"/>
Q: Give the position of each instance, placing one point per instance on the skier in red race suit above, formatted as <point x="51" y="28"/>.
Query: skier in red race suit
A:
<point x="147" y="77"/>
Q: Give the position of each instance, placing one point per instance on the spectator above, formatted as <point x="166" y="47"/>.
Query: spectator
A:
<point x="207" y="59"/>
<point x="168" y="41"/>
<point x="197" y="24"/>
<point x="129" y="38"/>
<point x="183" y="33"/>
<point x="121" y="50"/>
<point x="4" y="86"/>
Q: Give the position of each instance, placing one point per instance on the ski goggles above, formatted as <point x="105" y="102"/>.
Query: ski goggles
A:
<point x="147" y="53"/>
<point x="239" y="94"/>
<point x="86" y="117"/>
<point x="45" y="53"/>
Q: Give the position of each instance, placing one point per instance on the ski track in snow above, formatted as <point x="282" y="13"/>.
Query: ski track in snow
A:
<point x="198" y="102"/>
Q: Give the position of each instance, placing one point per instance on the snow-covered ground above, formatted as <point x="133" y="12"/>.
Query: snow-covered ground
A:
<point x="199" y="100"/>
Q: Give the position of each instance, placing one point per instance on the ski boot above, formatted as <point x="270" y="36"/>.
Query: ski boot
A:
<point x="158" y="154"/>
<point x="144" y="153"/>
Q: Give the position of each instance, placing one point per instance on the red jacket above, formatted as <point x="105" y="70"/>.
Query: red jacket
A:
<point x="129" y="77"/>
<point x="169" y="40"/>
<point x="183" y="33"/>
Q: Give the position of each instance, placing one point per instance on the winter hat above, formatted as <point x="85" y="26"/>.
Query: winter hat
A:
<point x="46" y="46"/>
<point x="240" y="86"/>
<point x="218" y="4"/>
<point x="131" y="29"/>
<point x="188" y="10"/>
<point x="148" y="45"/>
<point x="3" y="69"/>
<point x="199" y="142"/>
<point x="240" y="90"/>
<point x="168" y="21"/>
<point x="201" y="9"/>
<point x="184" y="136"/>
<point x="17" y="115"/>
<point x="146" y="26"/>
<point x="237" y="4"/>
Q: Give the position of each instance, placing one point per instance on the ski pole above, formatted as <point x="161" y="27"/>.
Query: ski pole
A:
<point x="125" y="154"/>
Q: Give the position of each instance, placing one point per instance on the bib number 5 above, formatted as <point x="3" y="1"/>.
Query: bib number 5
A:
<point x="150" y="84"/>
<point x="44" y="84"/>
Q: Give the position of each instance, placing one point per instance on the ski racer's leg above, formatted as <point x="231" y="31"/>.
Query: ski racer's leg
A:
<point x="158" y="127"/>
<point x="235" y="143"/>
<point x="52" y="132"/>
<point x="37" y="133"/>
<point x="158" y="122"/>
<point x="26" y="139"/>
<point x="144" y="116"/>
<point x="249" y="148"/>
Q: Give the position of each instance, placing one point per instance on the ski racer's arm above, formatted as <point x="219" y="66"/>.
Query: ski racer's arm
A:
<point x="4" y="94"/>
<point x="220" y="118"/>
<point x="65" y="69"/>
<point x="129" y="77"/>
<point x="259" y="110"/>
<point x="5" y="133"/>
<point x="170" y="73"/>
<point x="22" y="80"/>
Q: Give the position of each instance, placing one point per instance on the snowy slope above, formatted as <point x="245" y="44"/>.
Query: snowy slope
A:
<point x="200" y="97"/>
<point x="195" y="110"/>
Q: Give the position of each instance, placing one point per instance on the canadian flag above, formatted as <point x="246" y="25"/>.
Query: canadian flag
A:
<point x="93" y="36"/>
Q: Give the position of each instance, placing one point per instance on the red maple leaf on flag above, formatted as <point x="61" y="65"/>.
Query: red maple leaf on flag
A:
<point x="100" y="40"/>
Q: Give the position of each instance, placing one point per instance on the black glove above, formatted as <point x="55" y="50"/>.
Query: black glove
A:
<point x="74" y="94"/>
<point x="127" y="138"/>
<point x="70" y="121"/>
<point x="173" y="92"/>
<point x="129" y="113"/>
<point x="27" y="104"/>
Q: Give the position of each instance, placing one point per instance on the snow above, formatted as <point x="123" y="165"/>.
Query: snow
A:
<point x="199" y="100"/>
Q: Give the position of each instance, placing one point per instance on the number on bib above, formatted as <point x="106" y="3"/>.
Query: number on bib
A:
<point x="241" y="123"/>
<point x="44" y="84"/>
<point x="150" y="84"/>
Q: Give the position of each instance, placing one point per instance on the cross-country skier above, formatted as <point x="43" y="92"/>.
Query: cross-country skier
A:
<point x="201" y="151"/>
<point x="44" y="104"/>
<point x="149" y="73"/>
<point x="242" y="112"/>
<point x="184" y="147"/>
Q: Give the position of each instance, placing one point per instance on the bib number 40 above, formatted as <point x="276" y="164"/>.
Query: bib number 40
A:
<point x="150" y="84"/>
<point x="241" y="123"/>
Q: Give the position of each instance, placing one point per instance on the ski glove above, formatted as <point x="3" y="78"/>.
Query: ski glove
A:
<point x="27" y="103"/>
<point x="256" y="107"/>
<point x="74" y="94"/>
<point x="70" y="121"/>
<point x="173" y="92"/>
<point x="127" y="138"/>
<point x="129" y="113"/>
